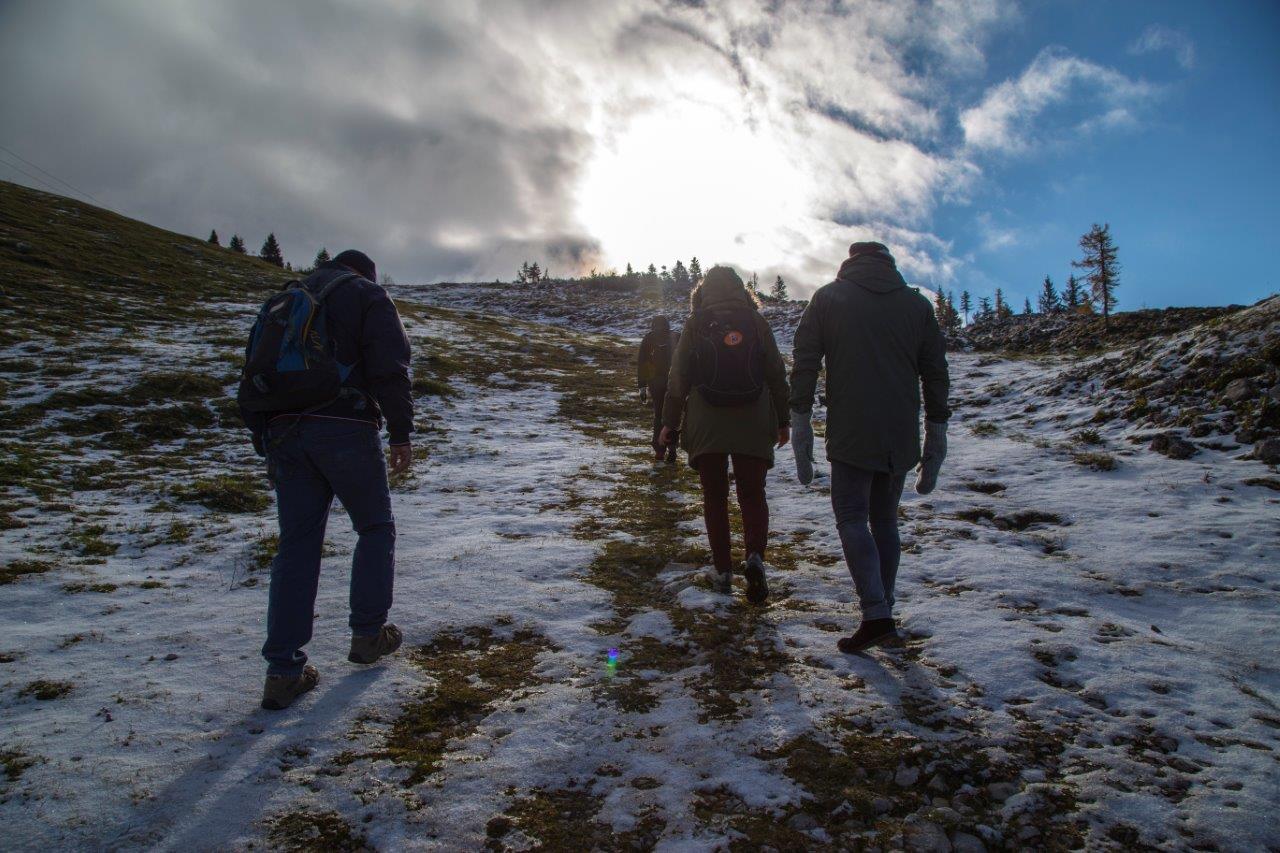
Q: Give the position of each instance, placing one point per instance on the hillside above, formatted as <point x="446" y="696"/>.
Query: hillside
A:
<point x="1042" y="334"/>
<point x="1088" y="625"/>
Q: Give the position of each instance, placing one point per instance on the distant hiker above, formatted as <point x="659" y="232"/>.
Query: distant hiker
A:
<point x="652" y="367"/>
<point x="327" y="362"/>
<point x="727" y="397"/>
<point x="881" y="342"/>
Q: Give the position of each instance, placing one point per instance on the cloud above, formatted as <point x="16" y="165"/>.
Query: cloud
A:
<point x="1158" y="37"/>
<point x="1012" y="117"/>
<point x="455" y="140"/>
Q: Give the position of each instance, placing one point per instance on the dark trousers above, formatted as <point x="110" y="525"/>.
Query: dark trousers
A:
<point x="866" y="508"/>
<point x="749" y="474"/>
<point x="316" y="460"/>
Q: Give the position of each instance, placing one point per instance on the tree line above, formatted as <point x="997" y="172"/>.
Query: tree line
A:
<point x="1095" y="292"/>
<point x="678" y="276"/>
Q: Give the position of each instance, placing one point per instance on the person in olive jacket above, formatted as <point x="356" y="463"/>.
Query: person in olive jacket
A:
<point x="652" y="366"/>
<point x="881" y="344"/>
<point x="747" y="434"/>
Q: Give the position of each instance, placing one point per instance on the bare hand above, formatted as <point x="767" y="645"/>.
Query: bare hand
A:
<point x="665" y="438"/>
<point x="784" y="435"/>
<point x="400" y="458"/>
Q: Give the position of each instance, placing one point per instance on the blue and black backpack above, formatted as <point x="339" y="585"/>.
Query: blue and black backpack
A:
<point x="291" y="365"/>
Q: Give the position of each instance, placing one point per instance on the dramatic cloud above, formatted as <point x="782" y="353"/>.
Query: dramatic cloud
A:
<point x="1158" y="37"/>
<point x="455" y="140"/>
<point x="1011" y="117"/>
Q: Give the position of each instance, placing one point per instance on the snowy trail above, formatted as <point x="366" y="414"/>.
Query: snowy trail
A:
<point x="1088" y="654"/>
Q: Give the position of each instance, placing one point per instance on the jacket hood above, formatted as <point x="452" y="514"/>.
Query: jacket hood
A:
<point x="871" y="273"/>
<point x="721" y="285"/>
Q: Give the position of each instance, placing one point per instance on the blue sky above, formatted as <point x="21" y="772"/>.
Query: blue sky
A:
<point x="1190" y="189"/>
<point x="977" y="138"/>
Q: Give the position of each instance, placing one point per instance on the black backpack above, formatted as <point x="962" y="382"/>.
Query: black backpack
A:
<point x="291" y="365"/>
<point x="728" y="361"/>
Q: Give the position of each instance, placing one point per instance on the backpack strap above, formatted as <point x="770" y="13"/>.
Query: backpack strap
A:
<point x="333" y="285"/>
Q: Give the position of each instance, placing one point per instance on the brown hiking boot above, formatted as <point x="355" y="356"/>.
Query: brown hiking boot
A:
<point x="281" y="690"/>
<point x="369" y="649"/>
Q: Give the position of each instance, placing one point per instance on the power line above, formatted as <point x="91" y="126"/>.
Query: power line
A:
<point x="33" y="177"/>
<point x="66" y="184"/>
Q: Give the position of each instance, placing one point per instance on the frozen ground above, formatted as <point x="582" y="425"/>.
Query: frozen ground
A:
<point x="1089" y="654"/>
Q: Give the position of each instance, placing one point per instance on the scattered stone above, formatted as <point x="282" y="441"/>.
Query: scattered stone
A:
<point x="925" y="837"/>
<point x="1238" y="390"/>
<point x="881" y="805"/>
<point x="906" y="776"/>
<point x="1173" y="445"/>
<point x="171" y="656"/>
<point x="498" y="826"/>
<point x="802" y="822"/>
<point x="1001" y="791"/>
<point x="1268" y="451"/>
<point x="963" y="842"/>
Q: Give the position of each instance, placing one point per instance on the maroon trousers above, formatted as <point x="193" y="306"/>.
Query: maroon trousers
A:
<point x="749" y="473"/>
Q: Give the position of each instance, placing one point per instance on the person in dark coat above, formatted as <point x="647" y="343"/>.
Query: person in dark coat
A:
<point x="714" y="435"/>
<point x="315" y="455"/>
<point x="881" y="344"/>
<point x="652" y="366"/>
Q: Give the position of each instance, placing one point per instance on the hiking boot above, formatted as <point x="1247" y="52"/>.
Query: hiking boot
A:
<point x="721" y="582"/>
<point x="369" y="649"/>
<point x="872" y="632"/>
<point x="281" y="690"/>
<point x="757" y="586"/>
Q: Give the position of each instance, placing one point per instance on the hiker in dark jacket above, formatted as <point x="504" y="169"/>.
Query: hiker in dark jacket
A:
<point x="881" y="343"/>
<point x="336" y="450"/>
<point x="652" y="367"/>
<point x="714" y="434"/>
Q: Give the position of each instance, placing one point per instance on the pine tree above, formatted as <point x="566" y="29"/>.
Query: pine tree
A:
<point x="213" y="238"/>
<point x="695" y="271"/>
<point x="779" y="289"/>
<point x="1002" y="310"/>
<point x="680" y="275"/>
<point x="535" y="272"/>
<point x="1103" y="270"/>
<point x="754" y="284"/>
<point x="940" y="309"/>
<point x="1026" y="306"/>
<point x="984" y="308"/>
<point x="237" y="244"/>
<point x="1071" y="295"/>
<point x="1049" y="302"/>
<point x="966" y="304"/>
<point x="522" y="274"/>
<point x="953" y="316"/>
<point x="271" y="251"/>
<point x="322" y="257"/>
<point x="631" y="274"/>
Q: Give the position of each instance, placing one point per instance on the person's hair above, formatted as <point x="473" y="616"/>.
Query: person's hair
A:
<point x="725" y="280"/>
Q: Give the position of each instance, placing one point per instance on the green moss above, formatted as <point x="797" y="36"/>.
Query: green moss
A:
<point x="426" y="386"/>
<point x="44" y="690"/>
<point x="15" y="762"/>
<point x="18" y="568"/>
<point x="88" y="540"/>
<point x="305" y="830"/>
<point x="225" y="493"/>
<point x="1096" y="460"/>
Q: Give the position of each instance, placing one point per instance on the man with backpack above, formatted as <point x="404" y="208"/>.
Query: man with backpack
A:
<point x="652" y="367"/>
<point x="881" y="343"/>
<point x="327" y="363"/>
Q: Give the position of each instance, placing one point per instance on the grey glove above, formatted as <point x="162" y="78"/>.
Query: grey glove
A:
<point x="802" y="445"/>
<point x="935" y="450"/>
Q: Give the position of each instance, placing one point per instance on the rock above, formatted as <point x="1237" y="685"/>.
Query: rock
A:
<point x="881" y="805"/>
<point x="1274" y="392"/>
<point x="1238" y="390"/>
<point x="963" y="842"/>
<point x="1268" y="450"/>
<point x="1246" y="436"/>
<point x="906" y="776"/>
<point x="171" y="656"/>
<point x="802" y="822"/>
<point x="937" y="783"/>
<point x="1173" y="445"/>
<point x="1001" y="791"/>
<point x="925" y="837"/>
<point x="498" y="827"/>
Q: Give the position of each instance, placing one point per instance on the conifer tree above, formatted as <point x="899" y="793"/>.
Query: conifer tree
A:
<point x="779" y="289"/>
<point x="966" y="304"/>
<point x="271" y="251"/>
<point x="984" y="308"/>
<point x="1102" y="268"/>
<point x="953" y="316"/>
<point x="322" y="257"/>
<point x="1026" y="306"/>
<point x="1071" y="295"/>
<point x="695" y="271"/>
<point x="754" y="284"/>
<point x="1002" y="310"/>
<point x="522" y="274"/>
<point x="213" y="238"/>
<point x="1049" y="302"/>
<point x="940" y="309"/>
<point x="680" y="275"/>
<point x="237" y="244"/>
<point x="535" y="272"/>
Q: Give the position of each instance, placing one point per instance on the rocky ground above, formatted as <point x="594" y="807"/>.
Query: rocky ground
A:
<point x="1089" y="333"/>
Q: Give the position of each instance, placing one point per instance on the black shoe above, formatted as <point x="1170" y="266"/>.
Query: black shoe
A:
<point x="721" y="582"/>
<point x="281" y="690"/>
<point x="757" y="586"/>
<point x="367" y="650"/>
<point x="872" y="632"/>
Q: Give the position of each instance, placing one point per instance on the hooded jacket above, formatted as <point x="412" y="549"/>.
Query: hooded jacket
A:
<point x="366" y="332"/>
<point x="750" y="430"/>
<point x="880" y="342"/>
<point x="654" y="361"/>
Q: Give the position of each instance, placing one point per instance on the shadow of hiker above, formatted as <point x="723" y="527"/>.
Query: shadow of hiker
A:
<point x="200" y="808"/>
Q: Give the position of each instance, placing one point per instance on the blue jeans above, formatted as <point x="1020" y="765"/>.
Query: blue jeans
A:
<point x="866" y="507"/>
<point x="314" y="461"/>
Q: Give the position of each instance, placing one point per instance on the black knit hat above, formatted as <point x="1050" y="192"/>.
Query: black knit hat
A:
<point x="870" y="248"/>
<point x="357" y="262"/>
